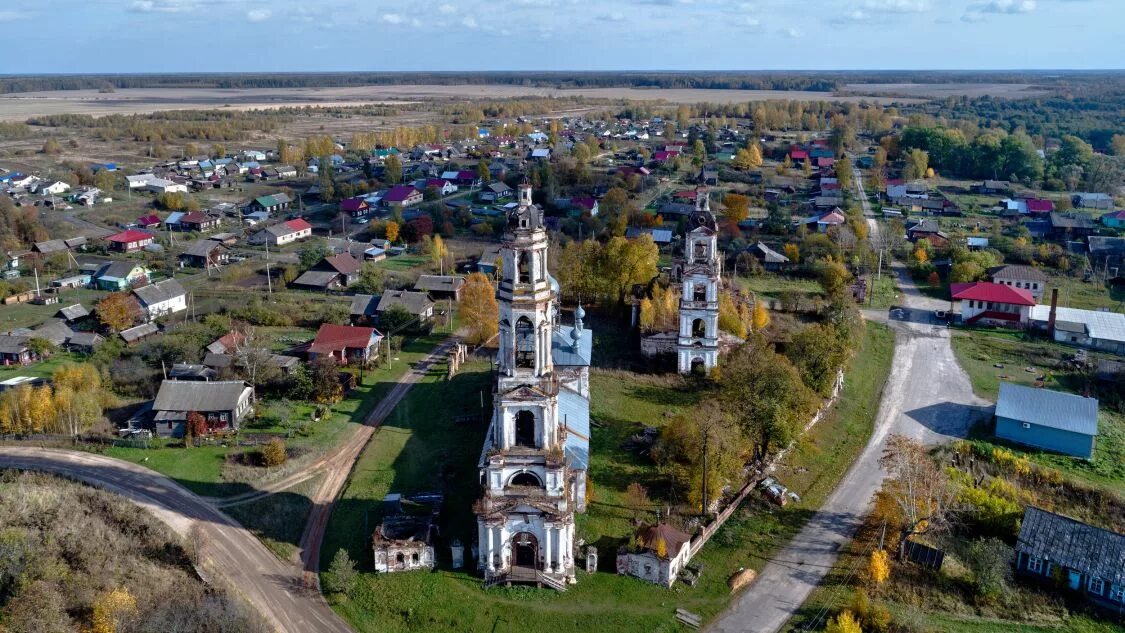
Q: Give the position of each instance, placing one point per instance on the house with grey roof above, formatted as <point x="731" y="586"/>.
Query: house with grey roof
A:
<point x="1050" y="420"/>
<point x="416" y="303"/>
<point x="162" y="298"/>
<point x="222" y="403"/>
<point x="440" y="286"/>
<point x="1093" y="329"/>
<point x="1018" y="276"/>
<point x="1086" y="559"/>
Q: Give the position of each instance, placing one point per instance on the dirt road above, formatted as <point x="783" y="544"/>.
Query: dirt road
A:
<point x="928" y="397"/>
<point x="275" y="588"/>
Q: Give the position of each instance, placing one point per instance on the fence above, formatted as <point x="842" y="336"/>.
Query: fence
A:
<point x="705" y="534"/>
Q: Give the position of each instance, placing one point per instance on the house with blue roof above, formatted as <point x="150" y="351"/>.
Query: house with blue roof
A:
<point x="1049" y="420"/>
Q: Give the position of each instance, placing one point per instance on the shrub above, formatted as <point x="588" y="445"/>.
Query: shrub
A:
<point x="274" y="453"/>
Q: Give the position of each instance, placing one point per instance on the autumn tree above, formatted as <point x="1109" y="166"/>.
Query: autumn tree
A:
<point x="879" y="567"/>
<point x="701" y="452"/>
<point x="51" y="146"/>
<point x="749" y="157"/>
<point x="111" y="610"/>
<point x="817" y="351"/>
<point x="793" y="252"/>
<point x="636" y="499"/>
<point x="118" y="311"/>
<point x="252" y="356"/>
<point x="845" y="622"/>
<point x="917" y="162"/>
<point x="439" y="252"/>
<point x="921" y="488"/>
<point x="372" y="279"/>
<point x="760" y="318"/>
<point x="480" y="314"/>
<point x="833" y="276"/>
<point x="730" y="320"/>
<point x="274" y="453"/>
<point x="324" y="373"/>
<point x="391" y="231"/>
<point x="737" y="207"/>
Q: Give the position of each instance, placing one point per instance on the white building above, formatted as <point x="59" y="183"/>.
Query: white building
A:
<point x="163" y="185"/>
<point x="661" y="553"/>
<point x="282" y="233"/>
<point x="162" y="298"/>
<point x="56" y="188"/>
<point x="533" y="464"/>
<point x="699" y="273"/>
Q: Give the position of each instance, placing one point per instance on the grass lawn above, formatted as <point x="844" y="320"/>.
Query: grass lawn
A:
<point x="884" y="290"/>
<point x="403" y="263"/>
<point x="209" y="470"/>
<point x="419" y="449"/>
<point x="1075" y="293"/>
<point x="979" y="351"/>
<point x="41" y="369"/>
<point x="30" y="314"/>
<point x="279" y="519"/>
<point x="772" y="286"/>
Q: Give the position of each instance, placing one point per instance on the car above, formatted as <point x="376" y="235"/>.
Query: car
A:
<point x="362" y="221"/>
<point x="941" y="315"/>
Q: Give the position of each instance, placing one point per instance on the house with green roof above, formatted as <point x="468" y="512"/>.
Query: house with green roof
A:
<point x="276" y="203"/>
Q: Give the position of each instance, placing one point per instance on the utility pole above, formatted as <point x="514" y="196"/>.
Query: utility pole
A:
<point x="269" y="280"/>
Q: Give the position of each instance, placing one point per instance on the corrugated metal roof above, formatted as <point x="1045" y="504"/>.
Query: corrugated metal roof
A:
<point x="1052" y="409"/>
<point x="1072" y="544"/>
<point x="575" y="413"/>
<point x="1107" y="326"/>
<point x="188" y="395"/>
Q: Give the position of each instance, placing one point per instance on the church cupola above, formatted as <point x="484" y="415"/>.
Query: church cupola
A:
<point x="525" y="194"/>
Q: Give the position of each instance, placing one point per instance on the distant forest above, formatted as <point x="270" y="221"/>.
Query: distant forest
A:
<point x="819" y="81"/>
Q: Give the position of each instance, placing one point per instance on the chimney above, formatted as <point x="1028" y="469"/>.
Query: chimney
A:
<point x="1054" y="309"/>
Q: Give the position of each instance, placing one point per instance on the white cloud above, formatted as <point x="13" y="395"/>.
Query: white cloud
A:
<point x="790" y="32"/>
<point x="977" y="12"/>
<point x="161" y="6"/>
<point x="469" y="22"/>
<point x="447" y="9"/>
<point x="258" y="15"/>
<point x="616" y="16"/>
<point x="898" y="6"/>
<point x="393" y="18"/>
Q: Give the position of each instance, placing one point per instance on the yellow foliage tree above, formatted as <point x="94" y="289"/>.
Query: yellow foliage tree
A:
<point x="661" y="547"/>
<point x="438" y="251"/>
<point x="647" y="316"/>
<point x="392" y="231"/>
<point x="737" y="207"/>
<point x="111" y="609"/>
<point x="479" y="311"/>
<point x="921" y="256"/>
<point x="879" y="567"/>
<point x="729" y="318"/>
<point x="793" y="252"/>
<point x="761" y="317"/>
<point x="843" y="623"/>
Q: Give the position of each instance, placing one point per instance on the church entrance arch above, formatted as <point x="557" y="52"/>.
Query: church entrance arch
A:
<point x="698" y="367"/>
<point x="526" y="548"/>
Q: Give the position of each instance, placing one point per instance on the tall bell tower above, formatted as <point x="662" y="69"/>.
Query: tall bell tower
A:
<point x="698" y="342"/>
<point x="531" y="480"/>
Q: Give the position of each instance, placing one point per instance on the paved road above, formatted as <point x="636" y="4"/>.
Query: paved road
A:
<point x="275" y="588"/>
<point x="927" y="397"/>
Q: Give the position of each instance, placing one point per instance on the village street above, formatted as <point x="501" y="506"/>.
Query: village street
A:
<point x="927" y="397"/>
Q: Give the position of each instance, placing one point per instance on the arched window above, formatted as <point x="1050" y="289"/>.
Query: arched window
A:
<point x="699" y="292"/>
<point x="414" y="558"/>
<point x="525" y="429"/>
<point x="698" y="329"/>
<point x="525" y="343"/>
<point x="400" y="560"/>
<point x="525" y="479"/>
<point x="523" y="265"/>
<point x="700" y="250"/>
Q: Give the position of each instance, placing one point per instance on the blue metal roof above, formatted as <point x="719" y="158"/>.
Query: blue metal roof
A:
<point x="574" y="410"/>
<point x="1052" y="409"/>
<point x="565" y="353"/>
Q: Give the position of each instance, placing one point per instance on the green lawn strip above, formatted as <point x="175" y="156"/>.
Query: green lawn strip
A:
<point x="883" y="292"/>
<point x="402" y="263"/>
<point x="1075" y="293"/>
<point x="941" y="623"/>
<point x="42" y="369"/>
<point x="205" y="470"/>
<point x="278" y="520"/>
<point x="30" y="314"/>
<point x="773" y="286"/>
<point x="402" y="459"/>
<point x="979" y="351"/>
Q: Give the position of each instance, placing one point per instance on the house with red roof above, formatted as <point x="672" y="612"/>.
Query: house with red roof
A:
<point x="355" y="207"/>
<point x="1039" y="205"/>
<point x="796" y="154"/>
<point x="282" y="233"/>
<point x="664" y="156"/>
<point x="987" y="303"/>
<point x="824" y="162"/>
<point x="150" y="221"/>
<point x="402" y="196"/>
<point x="589" y="204"/>
<point x="346" y="343"/>
<point x="687" y="195"/>
<point x="199" y="222"/>
<point x="129" y="241"/>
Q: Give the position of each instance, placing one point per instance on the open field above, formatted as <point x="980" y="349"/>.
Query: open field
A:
<point x="943" y="90"/>
<point x="20" y="106"/>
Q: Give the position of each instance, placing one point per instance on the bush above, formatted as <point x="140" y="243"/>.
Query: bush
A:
<point x="989" y="560"/>
<point x="274" y="453"/>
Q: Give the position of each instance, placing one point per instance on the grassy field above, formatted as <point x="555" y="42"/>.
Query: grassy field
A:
<point x="42" y="369"/>
<point x="883" y="291"/>
<point x="211" y="471"/>
<point x="1075" y="293"/>
<point x="402" y="458"/>
<point x="279" y="519"/>
<point x="978" y="353"/>
<point x="773" y="286"/>
<point x="30" y="314"/>
<point x="402" y="263"/>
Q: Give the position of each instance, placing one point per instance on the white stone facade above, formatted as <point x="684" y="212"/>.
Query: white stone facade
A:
<point x="699" y="273"/>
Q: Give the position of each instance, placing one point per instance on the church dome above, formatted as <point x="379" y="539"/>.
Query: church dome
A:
<point x="555" y="287"/>
<point x="579" y="313"/>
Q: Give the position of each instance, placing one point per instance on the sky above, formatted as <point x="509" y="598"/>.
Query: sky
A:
<point x="144" y="36"/>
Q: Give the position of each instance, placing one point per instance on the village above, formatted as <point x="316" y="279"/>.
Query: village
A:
<point x="546" y="364"/>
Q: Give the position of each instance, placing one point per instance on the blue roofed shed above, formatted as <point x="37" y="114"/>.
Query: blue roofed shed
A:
<point x="1050" y="420"/>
